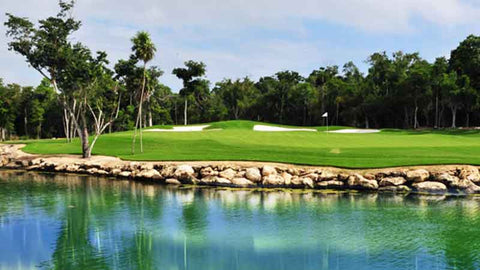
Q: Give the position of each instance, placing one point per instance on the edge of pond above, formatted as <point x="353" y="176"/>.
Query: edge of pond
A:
<point x="435" y="179"/>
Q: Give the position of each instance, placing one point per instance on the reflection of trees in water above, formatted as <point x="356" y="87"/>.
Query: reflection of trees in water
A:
<point x="143" y="205"/>
<point x="194" y="215"/>
<point x="444" y="227"/>
<point x="73" y="248"/>
<point x="18" y="189"/>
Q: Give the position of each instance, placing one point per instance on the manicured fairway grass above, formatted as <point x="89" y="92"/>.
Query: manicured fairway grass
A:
<point x="237" y="141"/>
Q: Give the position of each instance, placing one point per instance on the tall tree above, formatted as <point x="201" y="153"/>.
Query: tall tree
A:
<point x="192" y="82"/>
<point x="439" y="68"/>
<point x="44" y="46"/>
<point x="319" y="79"/>
<point x="465" y="60"/>
<point x="89" y="83"/>
<point x="238" y="96"/>
<point x="144" y="50"/>
<point x="454" y="89"/>
<point x="418" y="84"/>
<point x="8" y="100"/>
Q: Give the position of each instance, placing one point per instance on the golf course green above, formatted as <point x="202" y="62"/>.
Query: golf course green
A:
<point x="236" y="140"/>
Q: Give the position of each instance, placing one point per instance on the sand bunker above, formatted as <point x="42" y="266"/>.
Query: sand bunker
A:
<point x="179" y="129"/>
<point x="271" y="128"/>
<point x="355" y="131"/>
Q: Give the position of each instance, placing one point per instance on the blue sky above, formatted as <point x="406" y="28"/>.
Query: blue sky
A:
<point x="256" y="38"/>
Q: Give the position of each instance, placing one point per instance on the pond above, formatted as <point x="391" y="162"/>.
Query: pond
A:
<point x="80" y="222"/>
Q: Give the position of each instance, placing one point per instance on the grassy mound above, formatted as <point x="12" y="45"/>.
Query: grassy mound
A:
<point x="237" y="141"/>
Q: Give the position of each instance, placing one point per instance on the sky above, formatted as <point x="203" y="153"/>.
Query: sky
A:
<point x="254" y="38"/>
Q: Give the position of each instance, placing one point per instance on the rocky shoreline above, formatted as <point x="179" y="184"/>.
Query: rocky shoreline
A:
<point x="457" y="179"/>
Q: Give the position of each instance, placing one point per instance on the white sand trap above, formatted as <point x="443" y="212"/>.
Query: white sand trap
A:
<point x="271" y="128"/>
<point x="179" y="129"/>
<point x="355" y="131"/>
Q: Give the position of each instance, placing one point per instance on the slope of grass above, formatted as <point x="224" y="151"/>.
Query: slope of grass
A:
<point x="237" y="141"/>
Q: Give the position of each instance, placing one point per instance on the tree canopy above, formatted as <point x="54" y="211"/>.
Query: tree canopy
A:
<point x="82" y="95"/>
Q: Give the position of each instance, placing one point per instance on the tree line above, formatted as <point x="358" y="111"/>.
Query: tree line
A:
<point x="82" y="95"/>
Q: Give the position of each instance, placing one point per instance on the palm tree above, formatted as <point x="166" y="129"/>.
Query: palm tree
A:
<point x="144" y="50"/>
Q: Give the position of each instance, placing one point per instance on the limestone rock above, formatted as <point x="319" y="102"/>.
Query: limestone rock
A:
<point x="146" y="166"/>
<point x="25" y="163"/>
<point x="273" y="180"/>
<point x="242" y="182"/>
<point x="330" y="184"/>
<point x="240" y="174"/>
<point x="167" y="171"/>
<point x="92" y="170"/>
<point x="430" y="186"/>
<point x="470" y="173"/>
<point x="72" y="168"/>
<point x="327" y="175"/>
<point x="253" y="174"/>
<point x="293" y="171"/>
<point x="268" y="170"/>
<point x="214" y="180"/>
<point x="222" y="181"/>
<point x="296" y="181"/>
<point x="93" y="164"/>
<point x="357" y="181"/>
<point x="208" y="180"/>
<point x="4" y="160"/>
<point x="392" y="181"/>
<point x="12" y="165"/>
<point x="102" y="172"/>
<point x="172" y="181"/>
<point x="287" y="178"/>
<point x="125" y="174"/>
<point x="313" y="176"/>
<point x="399" y="189"/>
<point x="419" y="175"/>
<point x="208" y="171"/>
<point x="184" y="173"/>
<point x="60" y="167"/>
<point x="228" y="173"/>
<point x="149" y="174"/>
<point x="369" y="176"/>
<point x="343" y="176"/>
<point x="33" y="167"/>
<point x="307" y="181"/>
<point x="465" y="185"/>
<point x="116" y="172"/>
<point x="447" y="179"/>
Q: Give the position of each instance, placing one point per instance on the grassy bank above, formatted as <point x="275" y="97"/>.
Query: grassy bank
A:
<point x="237" y="141"/>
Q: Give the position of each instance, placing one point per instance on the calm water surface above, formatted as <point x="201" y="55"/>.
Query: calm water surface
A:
<point x="74" y="222"/>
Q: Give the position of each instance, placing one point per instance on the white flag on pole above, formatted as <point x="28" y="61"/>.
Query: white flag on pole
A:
<point x="325" y="114"/>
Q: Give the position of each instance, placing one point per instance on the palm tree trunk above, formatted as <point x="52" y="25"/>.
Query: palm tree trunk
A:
<point x="185" y="111"/>
<point x="140" y="109"/>
<point x="25" y="121"/>
<point x="454" y="116"/>
<point x="436" y="111"/>
<point x="138" y="122"/>
<point x="415" y="123"/>
<point x="150" y="117"/>
<point x="135" y="134"/>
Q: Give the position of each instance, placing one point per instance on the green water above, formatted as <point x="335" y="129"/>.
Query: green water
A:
<point x="75" y="222"/>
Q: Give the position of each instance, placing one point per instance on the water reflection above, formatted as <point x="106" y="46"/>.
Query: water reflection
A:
<point x="76" y="222"/>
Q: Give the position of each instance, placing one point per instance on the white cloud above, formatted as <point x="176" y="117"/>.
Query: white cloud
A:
<point x="219" y="32"/>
